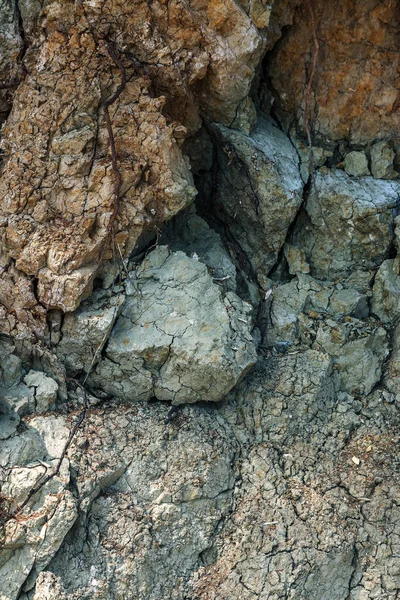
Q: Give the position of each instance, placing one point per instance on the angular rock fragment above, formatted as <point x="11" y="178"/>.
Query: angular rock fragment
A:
<point x="259" y="190"/>
<point x="85" y="331"/>
<point x="356" y="164"/>
<point x="386" y="291"/>
<point x="10" y="364"/>
<point x="178" y="337"/>
<point x="304" y="294"/>
<point x="358" y="354"/>
<point x="18" y="399"/>
<point x="347" y="224"/>
<point x="44" y="388"/>
<point x="382" y="157"/>
<point x="28" y="544"/>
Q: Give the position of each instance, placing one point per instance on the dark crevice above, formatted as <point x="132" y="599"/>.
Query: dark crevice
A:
<point x="207" y="209"/>
<point x="35" y="290"/>
<point x="266" y="79"/>
<point x="21" y="30"/>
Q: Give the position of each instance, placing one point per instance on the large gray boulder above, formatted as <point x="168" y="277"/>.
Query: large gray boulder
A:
<point x="259" y="190"/>
<point x="348" y="224"/>
<point x="178" y="337"/>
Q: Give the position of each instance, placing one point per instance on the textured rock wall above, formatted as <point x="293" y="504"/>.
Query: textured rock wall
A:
<point x="153" y="68"/>
<point x="199" y="347"/>
<point x="355" y="91"/>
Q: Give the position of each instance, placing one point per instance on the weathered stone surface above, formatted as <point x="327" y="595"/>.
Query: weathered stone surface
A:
<point x="310" y="159"/>
<point x="11" y="46"/>
<point x="10" y="364"/>
<point x="189" y="233"/>
<point x="392" y="372"/>
<point x="259" y="190"/>
<point x="356" y="164"/>
<point x="382" y="157"/>
<point x="386" y="291"/>
<point x="58" y="184"/>
<point x="296" y="260"/>
<point x="304" y="294"/>
<point x="20" y="313"/>
<point x="300" y="494"/>
<point x="8" y="424"/>
<point x="178" y="338"/>
<point x="49" y="587"/>
<point x="327" y="318"/>
<point x="287" y="488"/>
<point x="86" y="331"/>
<point x="355" y="86"/>
<point x="358" y="354"/>
<point x="246" y="116"/>
<point x="44" y="389"/>
<point x="307" y="510"/>
<point x="18" y="399"/>
<point x="136" y="494"/>
<point x="29" y="544"/>
<point x="347" y="224"/>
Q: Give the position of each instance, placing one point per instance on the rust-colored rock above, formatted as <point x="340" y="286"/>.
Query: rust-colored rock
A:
<point x="356" y="81"/>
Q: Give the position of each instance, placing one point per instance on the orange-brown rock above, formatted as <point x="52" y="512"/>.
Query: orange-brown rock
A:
<point x="173" y="61"/>
<point x="356" y="81"/>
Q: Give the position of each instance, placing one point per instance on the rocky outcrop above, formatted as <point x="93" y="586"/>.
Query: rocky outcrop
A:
<point x="100" y="153"/>
<point x="177" y="337"/>
<point x="259" y="191"/>
<point x="199" y="392"/>
<point x="348" y="224"/>
<point x="353" y="93"/>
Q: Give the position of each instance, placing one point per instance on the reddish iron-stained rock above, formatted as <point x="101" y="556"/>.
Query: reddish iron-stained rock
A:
<point x="356" y="86"/>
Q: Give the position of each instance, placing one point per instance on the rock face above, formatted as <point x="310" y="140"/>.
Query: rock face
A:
<point x="259" y="191"/>
<point x="62" y="188"/>
<point x="177" y="338"/>
<point x="348" y="224"/>
<point x="307" y="507"/>
<point x="29" y="544"/>
<point x="305" y="491"/>
<point x="199" y="393"/>
<point x="11" y="45"/>
<point x="386" y="291"/>
<point x="354" y="91"/>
